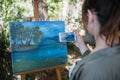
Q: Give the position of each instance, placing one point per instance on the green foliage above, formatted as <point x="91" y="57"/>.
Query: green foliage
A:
<point x="5" y="67"/>
<point x="72" y="1"/>
<point x="37" y="34"/>
<point x="3" y="42"/>
<point x="54" y="9"/>
<point x="9" y="11"/>
<point x="56" y="1"/>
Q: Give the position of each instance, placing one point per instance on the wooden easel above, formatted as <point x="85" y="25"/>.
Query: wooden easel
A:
<point x="57" y="69"/>
<point x="36" y="10"/>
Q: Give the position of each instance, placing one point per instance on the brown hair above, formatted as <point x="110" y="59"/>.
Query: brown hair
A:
<point x="108" y="12"/>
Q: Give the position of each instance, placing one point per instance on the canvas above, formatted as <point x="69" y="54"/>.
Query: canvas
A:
<point x="35" y="45"/>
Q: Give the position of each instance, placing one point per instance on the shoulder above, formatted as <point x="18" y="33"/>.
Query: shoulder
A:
<point x="99" y="66"/>
<point x="100" y="69"/>
<point x="104" y="59"/>
<point x="104" y="66"/>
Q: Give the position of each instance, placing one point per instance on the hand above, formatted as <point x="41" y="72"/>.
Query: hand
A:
<point x="80" y="42"/>
<point x="79" y="39"/>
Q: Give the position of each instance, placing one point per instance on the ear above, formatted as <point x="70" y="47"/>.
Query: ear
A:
<point x="90" y="16"/>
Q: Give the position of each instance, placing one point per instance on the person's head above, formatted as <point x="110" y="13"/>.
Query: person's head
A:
<point x="106" y="15"/>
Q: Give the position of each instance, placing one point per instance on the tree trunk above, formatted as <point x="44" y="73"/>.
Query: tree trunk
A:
<point x="43" y="10"/>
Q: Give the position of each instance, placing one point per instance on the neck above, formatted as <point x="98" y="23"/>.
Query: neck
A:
<point x="100" y="43"/>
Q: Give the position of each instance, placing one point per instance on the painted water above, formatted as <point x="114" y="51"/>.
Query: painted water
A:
<point x="36" y="59"/>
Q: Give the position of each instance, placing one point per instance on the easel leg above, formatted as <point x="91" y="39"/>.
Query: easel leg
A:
<point x="22" y="76"/>
<point x="58" y="73"/>
<point x="33" y="76"/>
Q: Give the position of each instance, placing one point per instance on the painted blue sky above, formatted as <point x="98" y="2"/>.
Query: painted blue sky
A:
<point x="50" y="28"/>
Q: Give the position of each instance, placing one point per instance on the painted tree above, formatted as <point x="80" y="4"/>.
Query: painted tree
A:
<point x="25" y="35"/>
<point x="33" y="34"/>
<point x="54" y="9"/>
<point x="20" y="33"/>
<point x="37" y="34"/>
<point x="28" y="34"/>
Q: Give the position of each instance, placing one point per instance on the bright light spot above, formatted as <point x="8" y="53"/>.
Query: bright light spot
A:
<point x="82" y="32"/>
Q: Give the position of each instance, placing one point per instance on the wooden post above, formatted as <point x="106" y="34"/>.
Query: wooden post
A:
<point x="33" y="75"/>
<point x="36" y="10"/>
<point x="23" y="77"/>
<point x="58" y="73"/>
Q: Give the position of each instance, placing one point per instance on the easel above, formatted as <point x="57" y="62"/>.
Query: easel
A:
<point x="57" y="69"/>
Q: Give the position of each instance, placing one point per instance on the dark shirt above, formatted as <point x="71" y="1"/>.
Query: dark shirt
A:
<point x="101" y="65"/>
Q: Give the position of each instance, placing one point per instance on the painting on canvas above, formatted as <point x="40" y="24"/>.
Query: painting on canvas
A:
<point x="35" y="45"/>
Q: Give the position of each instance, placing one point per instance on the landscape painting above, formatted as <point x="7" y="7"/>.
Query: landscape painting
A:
<point x="35" y="45"/>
